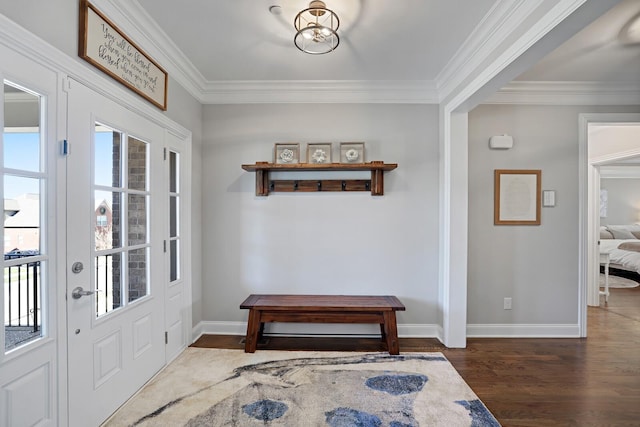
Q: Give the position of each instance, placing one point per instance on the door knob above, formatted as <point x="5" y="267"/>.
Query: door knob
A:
<point x="79" y="292"/>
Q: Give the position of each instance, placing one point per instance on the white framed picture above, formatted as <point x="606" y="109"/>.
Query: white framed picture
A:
<point x="319" y="153"/>
<point x="352" y="152"/>
<point x="288" y="153"/>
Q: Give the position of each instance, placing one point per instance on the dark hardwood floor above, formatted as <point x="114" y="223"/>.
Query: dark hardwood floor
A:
<point x="531" y="382"/>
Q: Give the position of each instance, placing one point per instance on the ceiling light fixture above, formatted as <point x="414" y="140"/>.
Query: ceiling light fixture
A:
<point x="316" y="29"/>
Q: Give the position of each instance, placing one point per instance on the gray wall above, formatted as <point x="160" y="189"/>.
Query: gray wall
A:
<point x="340" y="243"/>
<point x="623" y="205"/>
<point x="535" y="265"/>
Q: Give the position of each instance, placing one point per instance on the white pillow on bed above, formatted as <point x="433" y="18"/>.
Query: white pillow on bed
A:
<point x="624" y="231"/>
<point x="604" y="233"/>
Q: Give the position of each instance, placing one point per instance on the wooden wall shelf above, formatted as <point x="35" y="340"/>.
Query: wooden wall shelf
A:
<point x="265" y="185"/>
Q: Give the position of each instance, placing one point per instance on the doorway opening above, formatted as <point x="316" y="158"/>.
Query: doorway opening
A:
<point x="611" y="154"/>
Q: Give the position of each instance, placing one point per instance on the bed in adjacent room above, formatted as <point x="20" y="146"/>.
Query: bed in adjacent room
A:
<point x="622" y="242"/>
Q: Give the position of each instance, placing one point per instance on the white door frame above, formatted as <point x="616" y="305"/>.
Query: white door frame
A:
<point x="35" y="363"/>
<point x="588" y="216"/>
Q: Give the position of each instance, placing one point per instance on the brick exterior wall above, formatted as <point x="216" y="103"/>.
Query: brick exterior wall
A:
<point x="137" y="218"/>
<point x="116" y="208"/>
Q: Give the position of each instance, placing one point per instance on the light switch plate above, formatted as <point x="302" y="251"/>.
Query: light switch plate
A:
<point x="548" y="198"/>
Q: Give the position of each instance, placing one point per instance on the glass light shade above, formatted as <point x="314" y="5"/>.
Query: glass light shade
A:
<point x="316" y="29"/>
<point x="308" y="33"/>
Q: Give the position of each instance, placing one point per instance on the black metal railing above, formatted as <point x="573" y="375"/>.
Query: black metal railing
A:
<point x="22" y="287"/>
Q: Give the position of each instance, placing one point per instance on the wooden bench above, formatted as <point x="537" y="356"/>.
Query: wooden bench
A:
<point x="322" y="309"/>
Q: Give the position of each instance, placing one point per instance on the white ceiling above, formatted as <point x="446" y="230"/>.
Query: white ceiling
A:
<point x="379" y="40"/>
<point x="230" y="42"/>
<point x="608" y="50"/>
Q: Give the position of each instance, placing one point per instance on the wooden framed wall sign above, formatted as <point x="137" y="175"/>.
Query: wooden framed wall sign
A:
<point x="517" y="196"/>
<point x="104" y="46"/>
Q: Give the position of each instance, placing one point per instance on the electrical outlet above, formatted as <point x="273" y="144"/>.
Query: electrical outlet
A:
<point x="507" y="303"/>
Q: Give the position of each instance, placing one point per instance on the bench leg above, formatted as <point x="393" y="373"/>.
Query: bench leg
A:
<point x="383" y="334"/>
<point x="253" y="330"/>
<point x="391" y="332"/>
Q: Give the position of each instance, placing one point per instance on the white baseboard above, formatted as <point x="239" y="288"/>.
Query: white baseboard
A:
<point x="312" y="329"/>
<point x="218" y="328"/>
<point x="523" y="331"/>
<point x="404" y="330"/>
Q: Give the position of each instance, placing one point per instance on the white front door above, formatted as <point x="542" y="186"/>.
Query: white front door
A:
<point x="28" y="301"/>
<point x="116" y="222"/>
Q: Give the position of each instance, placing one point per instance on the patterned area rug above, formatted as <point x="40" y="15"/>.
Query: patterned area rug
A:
<point x="618" y="282"/>
<point x="210" y="387"/>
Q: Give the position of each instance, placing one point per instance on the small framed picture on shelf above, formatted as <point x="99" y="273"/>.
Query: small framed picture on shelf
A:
<point x="352" y="152"/>
<point x="288" y="153"/>
<point x="319" y="153"/>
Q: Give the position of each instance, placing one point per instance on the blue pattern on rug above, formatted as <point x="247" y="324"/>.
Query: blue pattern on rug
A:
<point x="282" y="392"/>
<point x="347" y="417"/>
<point x="265" y="410"/>
<point x="397" y="384"/>
<point x="309" y="393"/>
<point x="480" y="415"/>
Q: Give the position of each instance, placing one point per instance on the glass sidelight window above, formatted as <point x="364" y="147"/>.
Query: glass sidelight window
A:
<point x="24" y="181"/>
<point x="174" y="216"/>
<point x="121" y="219"/>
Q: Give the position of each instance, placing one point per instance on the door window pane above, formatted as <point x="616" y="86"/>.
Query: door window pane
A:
<point x="108" y="157"/>
<point x="22" y="302"/>
<point x="137" y="213"/>
<point x="174" y="258"/>
<point x="22" y="150"/>
<point x="108" y="283"/>
<point x="173" y="216"/>
<point x="23" y="179"/>
<point x="21" y="129"/>
<point x="137" y="274"/>
<point x="107" y="213"/>
<point x="21" y="214"/>
<point x="137" y="157"/>
<point x="173" y="172"/>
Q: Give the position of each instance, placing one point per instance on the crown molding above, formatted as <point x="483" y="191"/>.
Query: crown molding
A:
<point x="134" y="21"/>
<point x="321" y="92"/>
<point x="613" y="157"/>
<point x="567" y="93"/>
<point x="631" y="171"/>
<point x="501" y="21"/>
